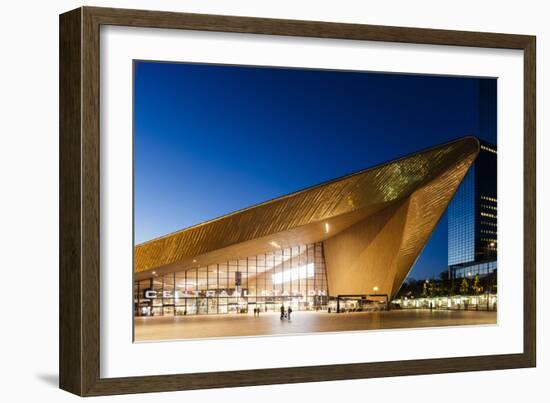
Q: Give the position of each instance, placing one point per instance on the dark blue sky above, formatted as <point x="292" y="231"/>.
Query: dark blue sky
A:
<point x="212" y="139"/>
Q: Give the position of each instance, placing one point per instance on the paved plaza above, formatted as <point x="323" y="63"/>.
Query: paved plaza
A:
<point x="235" y="325"/>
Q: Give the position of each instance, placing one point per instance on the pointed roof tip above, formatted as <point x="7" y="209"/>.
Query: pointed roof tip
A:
<point x="473" y="140"/>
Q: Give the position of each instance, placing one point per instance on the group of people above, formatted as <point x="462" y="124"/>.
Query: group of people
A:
<point x="285" y="314"/>
<point x="256" y="311"/>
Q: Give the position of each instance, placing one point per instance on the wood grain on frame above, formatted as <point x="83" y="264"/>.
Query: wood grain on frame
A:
<point x="79" y="200"/>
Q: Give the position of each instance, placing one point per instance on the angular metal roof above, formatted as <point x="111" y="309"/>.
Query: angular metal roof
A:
<point x="300" y="217"/>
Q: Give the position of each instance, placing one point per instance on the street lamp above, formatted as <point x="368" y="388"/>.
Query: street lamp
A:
<point x="428" y="293"/>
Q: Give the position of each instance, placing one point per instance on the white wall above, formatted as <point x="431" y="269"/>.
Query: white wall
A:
<point x="29" y="201"/>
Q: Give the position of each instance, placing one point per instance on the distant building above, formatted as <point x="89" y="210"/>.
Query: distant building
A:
<point x="472" y="214"/>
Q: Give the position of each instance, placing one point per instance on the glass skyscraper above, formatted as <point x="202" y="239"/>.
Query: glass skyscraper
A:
<point x="472" y="218"/>
<point x="472" y="214"/>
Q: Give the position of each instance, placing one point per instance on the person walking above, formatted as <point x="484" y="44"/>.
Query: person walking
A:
<point x="282" y="312"/>
<point x="289" y="312"/>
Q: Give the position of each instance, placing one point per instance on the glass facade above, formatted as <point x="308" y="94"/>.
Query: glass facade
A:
<point x="294" y="276"/>
<point x="461" y="222"/>
<point x="477" y="269"/>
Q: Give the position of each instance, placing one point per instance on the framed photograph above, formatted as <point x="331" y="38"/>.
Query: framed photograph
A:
<point x="249" y="201"/>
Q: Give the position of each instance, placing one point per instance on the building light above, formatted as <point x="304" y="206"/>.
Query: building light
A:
<point x="154" y="273"/>
<point x="194" y="260"/>
<point x="327" y="228"/>
<point x="275" y="244"/>
<point x="487" y="215"/>
<point x="375" y="288"/>
<point x="488" y="198"/>
<point x="297" y="273"/>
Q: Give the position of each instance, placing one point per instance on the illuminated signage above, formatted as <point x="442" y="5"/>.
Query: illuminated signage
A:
<point x="168" y="294"/>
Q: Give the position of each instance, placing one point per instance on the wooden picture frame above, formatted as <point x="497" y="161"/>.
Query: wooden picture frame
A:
<point x="79" y="346"/>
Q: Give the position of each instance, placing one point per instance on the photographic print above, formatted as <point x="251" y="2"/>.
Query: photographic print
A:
<point x="277" y="201"/>
<point x="228" y="184"/>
